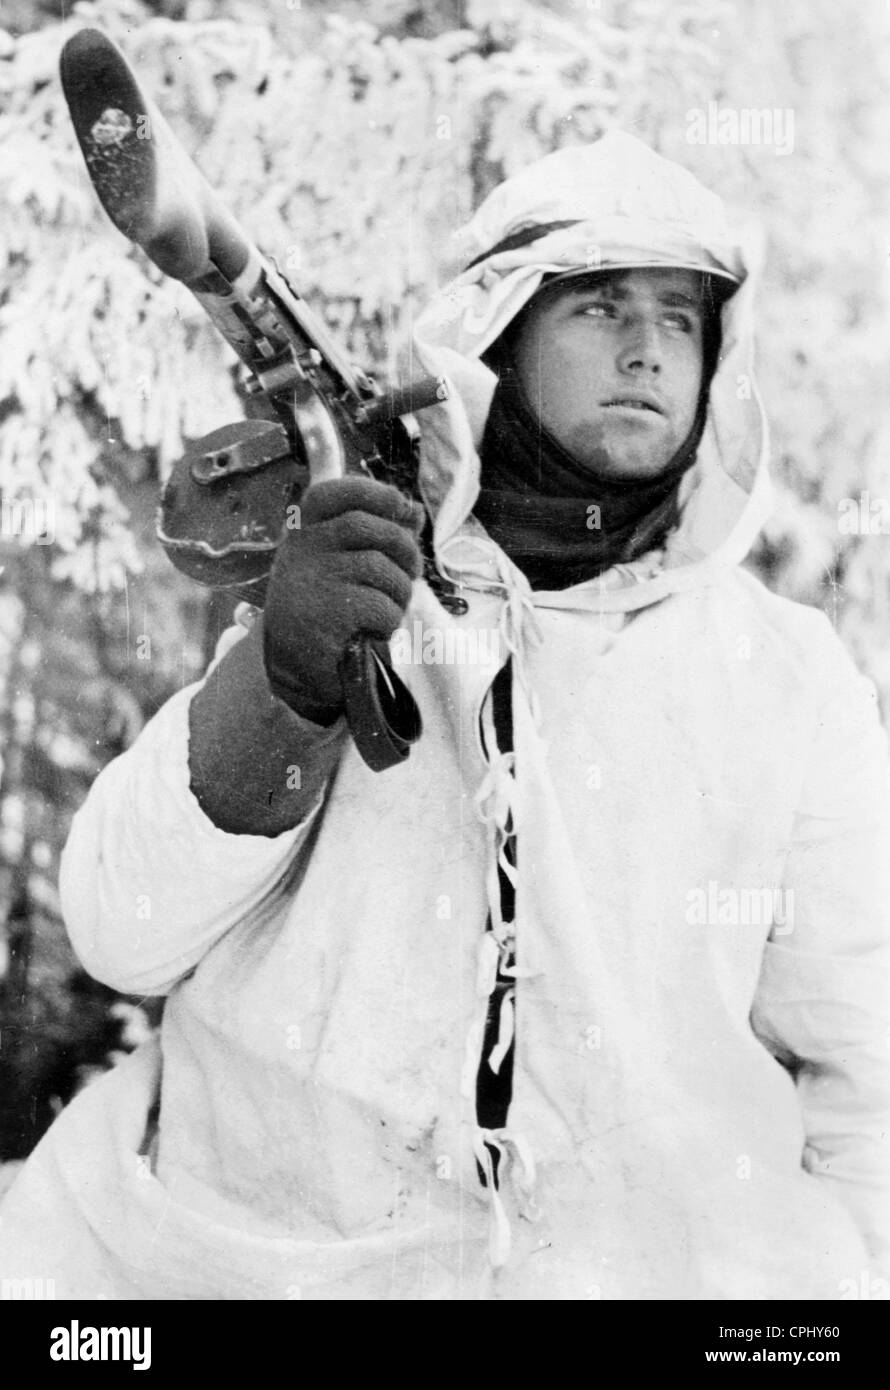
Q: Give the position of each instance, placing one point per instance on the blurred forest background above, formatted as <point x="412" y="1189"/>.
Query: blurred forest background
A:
<point x="353" y="139"/>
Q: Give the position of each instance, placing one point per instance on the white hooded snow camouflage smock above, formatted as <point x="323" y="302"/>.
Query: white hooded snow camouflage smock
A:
<point x="688" y="748"/>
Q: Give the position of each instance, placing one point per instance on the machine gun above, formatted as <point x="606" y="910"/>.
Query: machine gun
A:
<point x="227" y="505"/>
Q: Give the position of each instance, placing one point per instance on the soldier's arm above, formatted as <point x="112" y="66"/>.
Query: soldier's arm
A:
<point x="823" y="999"/>
<point x="185" y="834"/>
<point x="267" y="727"/>
<point x="256" y="767"/>
<point x="149" y="882"/>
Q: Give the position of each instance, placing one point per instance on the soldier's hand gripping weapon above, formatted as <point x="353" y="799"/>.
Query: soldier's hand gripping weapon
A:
<point x="224" y="510"/>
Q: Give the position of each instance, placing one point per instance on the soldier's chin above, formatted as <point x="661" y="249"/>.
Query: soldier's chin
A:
<point x="622" y="460"/>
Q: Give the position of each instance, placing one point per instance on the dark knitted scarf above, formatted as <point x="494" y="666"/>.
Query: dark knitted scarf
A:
<point x="539" y="504"/>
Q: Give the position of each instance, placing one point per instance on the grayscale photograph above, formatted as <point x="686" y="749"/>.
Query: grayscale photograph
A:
<point x="445" y="663"/>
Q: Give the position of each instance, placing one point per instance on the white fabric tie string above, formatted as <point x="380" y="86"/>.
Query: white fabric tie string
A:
<point x="492" y="803"/>
<point x="506" y="1026"/>
<point x="512" y="1149"/>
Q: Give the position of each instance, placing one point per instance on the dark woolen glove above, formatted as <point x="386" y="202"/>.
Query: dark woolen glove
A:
<point x="348" y="569"/>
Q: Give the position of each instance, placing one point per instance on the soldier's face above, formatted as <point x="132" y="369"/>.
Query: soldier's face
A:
<point x="613" y="365"/>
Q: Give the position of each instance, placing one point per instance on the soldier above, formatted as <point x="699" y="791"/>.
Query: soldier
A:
<point x="586" y="998"/>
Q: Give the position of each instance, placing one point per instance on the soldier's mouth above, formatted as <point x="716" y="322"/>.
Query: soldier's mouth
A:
<point x="634" y="403"/>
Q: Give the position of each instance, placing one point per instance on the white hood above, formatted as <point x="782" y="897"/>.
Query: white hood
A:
<point x="628" y="207"/>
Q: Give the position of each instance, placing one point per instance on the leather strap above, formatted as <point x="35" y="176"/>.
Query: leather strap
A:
<point x="381" y="712"/>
